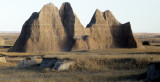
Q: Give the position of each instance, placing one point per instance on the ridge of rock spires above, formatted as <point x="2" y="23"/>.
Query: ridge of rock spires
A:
<point x="61" y="30"/>
<point x="116" y="34"/>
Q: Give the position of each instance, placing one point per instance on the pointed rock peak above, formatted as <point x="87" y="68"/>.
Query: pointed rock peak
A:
<point x="97" y="18"/>
<point x="48" y="7"/>
<point x="50" y="4"/>
<point x="66" y="4"/>
<point x="66" y="7"/>
<point x="66" y="10"/>
<point x="98" y="12"/>
<point x="127" y="24"/>
<point x="108" y="13"/>
<point x="109" y="16"/>
<point x="48" y="11"/>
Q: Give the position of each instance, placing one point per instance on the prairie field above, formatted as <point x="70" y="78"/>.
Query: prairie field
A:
<point x="91" y="66"/>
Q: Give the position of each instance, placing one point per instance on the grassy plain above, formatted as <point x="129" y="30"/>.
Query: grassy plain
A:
<point x="91" y="66"/>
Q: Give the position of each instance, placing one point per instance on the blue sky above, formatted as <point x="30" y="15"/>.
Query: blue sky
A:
<point x="144" y="15"/>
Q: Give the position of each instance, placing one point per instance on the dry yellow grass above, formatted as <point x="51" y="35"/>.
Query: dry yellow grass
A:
<point x="33" y="74"/>
<point x="7" y="64"/>
<point x="9" y="38"/>
<point x="91" y="66"/>
<point x="146" y="50"/>
<point x="20" y="54"/>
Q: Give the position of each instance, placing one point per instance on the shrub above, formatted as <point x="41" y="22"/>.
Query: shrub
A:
<point x="146" y="43"/>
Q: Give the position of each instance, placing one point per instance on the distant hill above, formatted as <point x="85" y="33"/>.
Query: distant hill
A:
<point x="147" y="35"/>
<point x="9" y="32"/>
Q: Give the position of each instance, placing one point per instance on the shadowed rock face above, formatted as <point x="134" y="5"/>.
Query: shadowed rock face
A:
<point x="72" y="25"/>
<point x="53" y="30"/>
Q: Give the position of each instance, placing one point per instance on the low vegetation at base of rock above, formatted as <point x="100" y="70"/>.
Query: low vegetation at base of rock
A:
<point x="146" y="43"/>
<point x="92" y="64"/>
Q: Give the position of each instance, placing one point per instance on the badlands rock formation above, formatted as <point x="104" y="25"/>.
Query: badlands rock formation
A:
<point x="60" y="30"/>
<point x="43" y="31"/>
<point x="107" y="32"/>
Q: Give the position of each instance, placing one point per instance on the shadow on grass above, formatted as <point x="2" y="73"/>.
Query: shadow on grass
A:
<point x="155" y="45"/>
<point x="144" y="53"/>
<point x="5" y="46"/>
<point x="127" y="64"/>
<point x="35" y="68"/>
<point x="133" y="77"/>
<point x="130" y="78"/>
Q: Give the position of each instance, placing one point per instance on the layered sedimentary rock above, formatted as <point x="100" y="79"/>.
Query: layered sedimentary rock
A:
<point x="71" y="23"/>
<point x="106" y="32"/>
<point x="43" y="31"/>
<point x="53" y="30"/>
<point x="100" y="36"/>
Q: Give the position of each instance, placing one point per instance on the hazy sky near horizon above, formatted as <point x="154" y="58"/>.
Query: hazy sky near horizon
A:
<point x="144" y="15"/>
